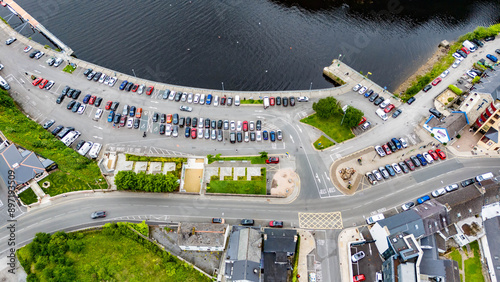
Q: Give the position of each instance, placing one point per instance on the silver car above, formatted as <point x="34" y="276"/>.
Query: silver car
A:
<point x="451" y="187"/>
<point x="184" y="97"/>
<point x="214" y="134"/>
<point x="141" y="89"/>
<point x="207" y="133"/>
<point x="226" y="125"/>
<point x="377" y="174"/>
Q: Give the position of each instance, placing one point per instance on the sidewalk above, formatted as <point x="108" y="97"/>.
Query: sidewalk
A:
<point x="345" y="238"/>
<point x="307" y="245"/>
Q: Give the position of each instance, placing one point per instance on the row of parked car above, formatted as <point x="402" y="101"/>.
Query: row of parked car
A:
<point x="384" y="172"/>
<point x="393" y="145"/>
<point x="68" y="135"/>
<point x="384" y="104"/>
<point x="42" y="83"/>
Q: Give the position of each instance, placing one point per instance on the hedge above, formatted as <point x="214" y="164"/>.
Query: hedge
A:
<point x="455" y="89"/>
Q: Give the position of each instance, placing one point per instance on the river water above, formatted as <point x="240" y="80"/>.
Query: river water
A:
<point x="257" y="44"/>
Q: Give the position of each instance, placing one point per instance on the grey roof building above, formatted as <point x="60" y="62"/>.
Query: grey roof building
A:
<point x="202" y="236"/>
<point x="25" y="164"/>
<point x="432" y="267"/>
<point x="244" y="253"/>
<point x="279" y="245"/>
<point x="490" y="83"/>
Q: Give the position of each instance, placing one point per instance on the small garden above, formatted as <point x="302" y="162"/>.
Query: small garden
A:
<point x="256" y="186"/>
<point x="178" y="161"/>
<point x="129" y="180"/>
<point x="253" y="159"/>
<point x="28" y="197"/>
<point x="251" y="101"/>
<point x="70" y="68"/>
<point x="322" y="143"/>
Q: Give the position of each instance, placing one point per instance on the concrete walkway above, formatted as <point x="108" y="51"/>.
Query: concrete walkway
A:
<point x="37" y="189"/>
<point x="307" y="245"/>
<point x="345" y="238"/>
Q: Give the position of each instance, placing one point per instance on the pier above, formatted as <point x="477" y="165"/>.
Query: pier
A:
<point x="26" y="17"/>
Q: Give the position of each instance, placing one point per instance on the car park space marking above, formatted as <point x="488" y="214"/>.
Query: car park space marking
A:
<point x="97" y="137"/>
<point x="331" y="220"/>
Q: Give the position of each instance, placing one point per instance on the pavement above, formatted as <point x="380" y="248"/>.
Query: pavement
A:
<point x="307" y="245"/>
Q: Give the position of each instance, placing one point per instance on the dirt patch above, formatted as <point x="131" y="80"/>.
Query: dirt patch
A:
<point x="467" y="229"/>
<point x="284" y="181"/>
<point x="438" y="54"/>
<point x="192" y="180"/>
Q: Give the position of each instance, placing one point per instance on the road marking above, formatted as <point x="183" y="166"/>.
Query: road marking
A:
<point x="97" y="137"/>
<point x="37" y="71"/>
<point x="291" y="137"/>
<point x="98" y="127"/>
<point x="332" y="220"/>
<point x="317" y="177"/>
<point x="326" y="175"/>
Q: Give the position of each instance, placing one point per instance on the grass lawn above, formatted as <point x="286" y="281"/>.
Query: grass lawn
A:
<point x="61" y="182"/>
<point x="251" y="101"/>
<point x="253" y="160"/>
<point x="325" y="143"/>
<point x="456" y="256"/>
<point x="69" y="69"/>
<point x="28" y="134"/>
<point x="257" y="187"/>
<point x="28" y="197"/>
<point x="473" y="265"/>
<point x="330" y="127"/>
<point x="108" y="255"/>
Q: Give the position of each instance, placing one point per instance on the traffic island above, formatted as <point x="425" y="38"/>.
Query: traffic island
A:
<point x="350" y="164"/>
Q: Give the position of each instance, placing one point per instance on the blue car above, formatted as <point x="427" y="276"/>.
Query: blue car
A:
<point x="86" y="99"/>
<point x="111" y="116"/>
<point x="124" y="83"/>
<point x="209" y="99"/>
<point x="492" y="58"/>
<point x="265" y="135"/>
<point x="273" y="136"/>
<point x="422" y="159"/>
<point x="396" y="143"/>
<point x="423" y="199"/>
<point x="132" y="111"/>
<point x="368" y="93"/>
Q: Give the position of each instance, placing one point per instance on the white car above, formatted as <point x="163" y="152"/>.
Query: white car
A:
<point x="385" y="103"/>
<point x="200" y="133"/>
<point x="216" y="100"/>
<point x="247" y="136"/>
<point x="49" y="84"/>
<point x="357" y="87"/>
<point x="380" y="151"/>
<point x="455" y="64"/>
<point x="196" y="98"/>
<point x="202" y="99"/>
<point x="98" y="114"/>
<point x="185" y="108"/>
<point x="407" y="206"/>
<point x="39" y="55"/>
<point x="233" y="126"/>
<point x="377" y="174"/>
<point x="259" y="136"/>
<point x="171" y="96"/>
<point x="102" y="78"/>
<point x="141" y="89"/>
<point x="358" y="256"/>
<point x="251" y="125"/>
<point x="130" y="122"/>
<point x="471" y="74"/>
<point x="1" y="67"/>
<point x="403" y="142"/>
<point x="428" y="157"/>
<point x="302" y="99"/>
<point x="112" y="81"/>
<point x="445" y="73"/>
<point x="81" y="109"/>
<point x="396" y="168"/>
<point x="451" y="187"/>
<point x="214" y="134"/>
<point x="239" y="125"/>
<point x="362" y="90"/>
<point x="438" y="192"/>
<point x="106" y="80"/>
<point x="190" y="98"/>
<point x="200" y="123"/>
<point x="168" y="130"/>
<point x="58" y="62"/>
<point x="27" y="49"/>
<point x="457" y="56"/>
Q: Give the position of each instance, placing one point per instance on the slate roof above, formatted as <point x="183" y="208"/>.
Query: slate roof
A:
<point x="464" y="203"/>
<point x="26" y="165"/>
<point x="490" y="84"/>
<point x="452" y="123"/>
<point x="408" y="222"/>
<point x="279" y="240"/>
<point x="492" y="134"/>
<point x="434" y="216"/>
<point x="433" y="266"/>
<point x="244" y="254"/>
<point x="491" y="227"/>
<point x="274" y="272"/>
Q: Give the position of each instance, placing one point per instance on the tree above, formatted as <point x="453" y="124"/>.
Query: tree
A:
<point x="352" y="117"/>
<point x="263" y="154"/>
<point x="327" y="107"/>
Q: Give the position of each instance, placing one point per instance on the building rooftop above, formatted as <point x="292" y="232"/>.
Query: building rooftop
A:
<point x="244" y="254"/>
<point x="491" y="223"/>
<point x="490" y="84"/>
<point x="201" y="234"/>
<point x="451" y="124"/>
<point x="274" y="269"/>
<point x="25" y="164"/>
<point x="409" y="222"/>
<point x="462" y="203"/>
<point x="433" y="266"/>
<point x="434" y="216"/>
<point x="404" y="245"/>
<point x="280" y="240"/>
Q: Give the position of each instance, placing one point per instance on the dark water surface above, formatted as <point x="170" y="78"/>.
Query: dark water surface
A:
<point x="257" y="44"/>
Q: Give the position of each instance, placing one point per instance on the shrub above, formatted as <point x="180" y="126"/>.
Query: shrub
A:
<point x="455" y="90"/>
<point x="476" y="79"/>
<point x="458" y="136"/>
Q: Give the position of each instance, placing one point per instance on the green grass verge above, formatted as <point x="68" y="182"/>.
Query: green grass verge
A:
<point x="178" y="161"/>
<point x="69" y="69"/>
<point x="256" y="186"/>
<point x="251" y="101"/>
<point x="28" y="134"/>
<point x="3" y="20"/>
<point x="456" y="256"/>
<point x="28" y="197"/>
<point x="296" y="261"/>
<point x="115" y="253"/>
<point x="330" y="126"/>
<point x="473" y="266"/>
<point x="325" y="143"/>
<point x="253" y="160"/>
<point x="61" y="182"/>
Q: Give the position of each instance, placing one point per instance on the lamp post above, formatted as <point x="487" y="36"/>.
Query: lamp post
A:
<point x="310" y="88"/>
<point x="133" y="72"/>
<point x="338" y="60"/>
<point x="222" y="86"/>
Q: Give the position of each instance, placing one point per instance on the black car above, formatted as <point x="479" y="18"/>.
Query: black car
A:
<point x="278" y="101"/>
<point x="467" y="182"/>
<point x="489" y="38"/>
<point x="65" y="131"/>
<point x="136" y="123"/>
<point x="213" y="124"/>
<point x="379" y="101"/>
<point x="247" y="222"/>
<point x="175" y="119"/>
<point x="411" y="100"/>
<point x="478" y="72"/>
<point x="87" y="72"/>
<point x="71" y="104"/>
<point x="79" y="145"/>
<point x="232" y="137"/>
<point x="207" y="123"/>
<point x="65" y="90"/>
<point x="187" y="131"/>
<point x="195" y="122"/>
<point x="33" y="54"/>
<point x="178" y="96"/>
<point x="48" y="124"/>
<point x="252" y="136"/>
<point x="70" y="92"/>
<point x="462" y="53"/>
<point x="478" y="42"/>
<point x="162" y="129"/>
<point x="392" y="146"/>
<point x="129" y="85"/>
<point x="76" y="94"/>
<point x="373" y="97"/>
<point x="292" y="101"/>
<point x="163" y="118"/>
<point x="435" y="112"/>
<point x="98" y="101"/>
<point x="155" y="117"/>
<point x="76" y="106"/>
<point x="117" y="118"/>
<point x="165" y="94"/>
<point x="396" y="113"/>
<point x="427" y="88"/>
<point x="60" y="99"/>
<point x="97" y="76"/>
<point x="188" y="121"/>
<point x="285" y="102"/>
<point x="219" y="124"/>
<point x="182" y="121"/>
<point x="404" y="167"/>
<point x="229" y="101"/>
<point x="239" y="137"/>
<point x="114" y="106"/>
<point x="415" y="161"/>
<point x="258" y="126"/>
<point x="497" y="51"/>
<point x="57" y="129"/>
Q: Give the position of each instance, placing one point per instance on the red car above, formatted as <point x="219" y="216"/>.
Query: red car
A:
<point x="359" y="278"/>
<point x="245" y="125"/>
<point x="387" y="149"/>
<point x="276" y="223"/>
<point x="466" y="50"/>
<point x="433" y="154"/>
<point x="271" y="101"/>
<point x="108" y="105"/>
<point x="135" y="87"/>
<point x="441" y="154"/>
<point x="223" y="100"/>
<point x="37" y="81"/>
<point x="389" y="108"/>
<point x="273" y="160"/>
<point x="43" y="83"/>
<point x="362" y="121"/>
<point x="138" y="114"/>
<point x="92" y="100"/>
<point x="150" y="90"/>
<point x="193" y="133"/>
<point x="436" y="81"/>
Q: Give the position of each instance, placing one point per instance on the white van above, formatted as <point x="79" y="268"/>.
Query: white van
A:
<point x="469" y="45"/>
<point x="484" y="176"/>
<point x="85" y="148"/>
<point x="266" y="102"/>
<point x="70" y="138"/>
<point x="237" y="100"/>
<point x="381" y="114"/>
<point x="94" y="152"/>
<point x="375" y="218"/>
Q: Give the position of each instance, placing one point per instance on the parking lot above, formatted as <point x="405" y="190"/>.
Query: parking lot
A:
<point x="372" y="262"/>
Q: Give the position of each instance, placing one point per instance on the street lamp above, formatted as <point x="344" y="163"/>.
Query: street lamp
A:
<point x="338" y="59"/>
<point x="133" y="72"/>
<point x="222" y="86"/>
<point x="310" y="87"/>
